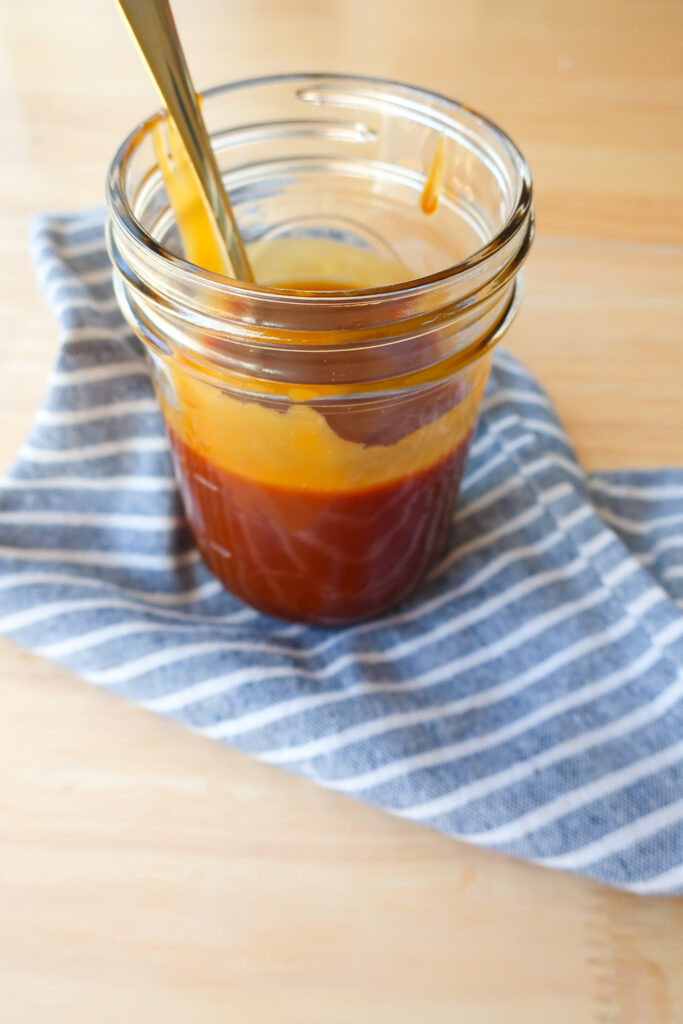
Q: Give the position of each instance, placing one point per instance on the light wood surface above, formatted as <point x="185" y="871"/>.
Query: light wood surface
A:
<point x="148" y="875"/>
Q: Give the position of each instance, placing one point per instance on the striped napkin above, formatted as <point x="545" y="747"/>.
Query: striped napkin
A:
<point x="529" y="698"/>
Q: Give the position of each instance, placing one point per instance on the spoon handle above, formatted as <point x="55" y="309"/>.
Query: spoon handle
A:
<point x="153" y="28"/>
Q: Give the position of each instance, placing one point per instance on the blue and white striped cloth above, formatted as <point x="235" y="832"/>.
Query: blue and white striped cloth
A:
<point x="529" y="698"/>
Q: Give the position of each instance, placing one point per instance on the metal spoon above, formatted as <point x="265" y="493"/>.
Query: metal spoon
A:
<point x="153" y="28"/>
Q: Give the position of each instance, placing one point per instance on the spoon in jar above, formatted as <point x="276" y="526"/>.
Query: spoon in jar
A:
<point x="154" y="31"/>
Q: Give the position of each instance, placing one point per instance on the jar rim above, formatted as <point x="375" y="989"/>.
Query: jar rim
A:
<point x="121" y="209"/>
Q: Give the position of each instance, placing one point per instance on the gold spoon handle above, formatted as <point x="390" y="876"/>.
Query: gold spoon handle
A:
<point x="153" y="28"/>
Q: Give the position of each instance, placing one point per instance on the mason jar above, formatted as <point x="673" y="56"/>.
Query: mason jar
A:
<point x="319" y="438"/>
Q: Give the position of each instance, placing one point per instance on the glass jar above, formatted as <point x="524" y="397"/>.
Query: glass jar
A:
<point x="319" y="439"/>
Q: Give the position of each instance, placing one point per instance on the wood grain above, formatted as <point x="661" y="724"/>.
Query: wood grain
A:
<point x="146" y="874"/>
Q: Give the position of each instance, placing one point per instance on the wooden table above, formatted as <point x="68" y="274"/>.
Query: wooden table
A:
<point x="146" y="874"/>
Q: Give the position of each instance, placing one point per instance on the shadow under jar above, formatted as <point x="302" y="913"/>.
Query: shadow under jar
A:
<point x="320" y="438"/>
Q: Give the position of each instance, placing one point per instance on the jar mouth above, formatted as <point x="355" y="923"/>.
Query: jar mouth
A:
<point x="123" y="217"/>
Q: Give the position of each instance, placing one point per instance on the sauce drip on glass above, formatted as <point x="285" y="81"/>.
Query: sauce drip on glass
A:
<point x="434" y="182"/>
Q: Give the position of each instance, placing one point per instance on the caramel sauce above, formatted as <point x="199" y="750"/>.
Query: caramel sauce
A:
<point x="315" y="286"/>
<point x="318" y="556"/>
<point x="433" y="185"/>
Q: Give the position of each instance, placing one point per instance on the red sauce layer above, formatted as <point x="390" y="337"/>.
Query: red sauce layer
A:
<point x="325" y="558"/>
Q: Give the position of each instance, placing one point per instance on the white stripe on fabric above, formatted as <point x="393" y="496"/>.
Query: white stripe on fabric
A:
<point x="489" y="440"/>
<point x="496" y="428"/>
<point x="162" y="659"/>
<point x="575" y="799"/>
<point x="70" y="417"/>
<point x="177" y="597"/>
<point x="553" y="459"/>
<point x="92" y="520"/>
<point x="223" y="684"/>
<point x="30" y="616"/>
<point x="489" y="498"/>
<point x="656" y="548"/>
<point x="97" y="374"/>
<point x="497" y="460"/>
<point x="616" y="575"/>
<point x="572" y="519"/>
<point x="104" y="559"/>
<point x="618" y="840"/>
<point x="665" y="882"/>
<point x="482" y="444"/>
<point x="670" y="633"/>
<point x="67" y="304"/>
<point x="64" y="288"/>
<point x="505" y="395"/>
<point x="86" y="641"/>
<point x="220" y="685"/>
<point x="541" y="427"/>
<point x="100" y="275"/>
<point x="126" y="446"/>
<point x="87" y="247"/>
<point x="153" y="484"/>
<point x="635" y="525"/>
<point x="48" y="264"/>
<point x="511" y="366"/>
<point x="93" y="334"/>
<point x="519" y="522"/>
<point x="105" y="634"/>
<point x="33" y="615"/>
<point x="63" y="225"/>
<point x="638" y="492"/>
